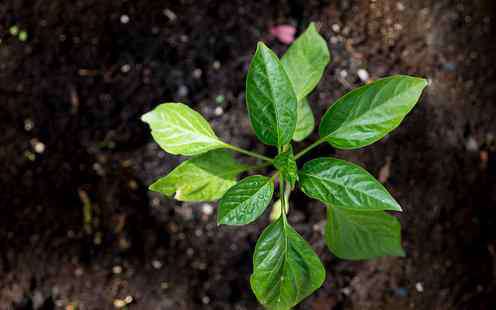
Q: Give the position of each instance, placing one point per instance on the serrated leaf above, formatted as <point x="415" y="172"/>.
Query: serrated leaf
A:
<point x="246" y="201"/>
<point x="368" y="113"/>
<point x="305" y="122"/>
<point x="180" y="130"/>
<point x="270" y="98"/>
<point x="345" y="185"/>
<point x="305" y="61"/>
<point x="286" y="164"/>
<point x="362" y="235"/>
<point x="285" y="268"/>
<point x="205" y="177"/>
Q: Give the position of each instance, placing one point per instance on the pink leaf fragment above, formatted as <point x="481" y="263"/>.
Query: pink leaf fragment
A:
<point x="284" y="33"/>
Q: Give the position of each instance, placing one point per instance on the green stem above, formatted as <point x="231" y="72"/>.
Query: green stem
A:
<point x="282" y="194"/>
<point x="309" y="148"/>
<point x="258" y="166"/>
<point x="249" y="153"/>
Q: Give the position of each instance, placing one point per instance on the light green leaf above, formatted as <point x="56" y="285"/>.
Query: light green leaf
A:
<point x="270" y="98"/>
<point x="246" y="201"/>
<point x="344" y="185"/>
<point x="286" y="164"/>
<point x="180" y="130"/>
<point x="305" y="122"/>
<point x="205" y="177"/>
<point x="368" y="113"/>
<point x="305" y="61"/>
<point x="285" y="268"/>
<point x="362" y="235"/>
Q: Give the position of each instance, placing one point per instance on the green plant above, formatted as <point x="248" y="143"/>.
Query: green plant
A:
<point x="285" y="268"/>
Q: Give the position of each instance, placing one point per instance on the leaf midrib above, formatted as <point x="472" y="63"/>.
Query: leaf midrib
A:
<point x="351" y="188"/>
<point x="366" y="112"/>
<point x="208" y="137"/>
<point x="244" y="201"/>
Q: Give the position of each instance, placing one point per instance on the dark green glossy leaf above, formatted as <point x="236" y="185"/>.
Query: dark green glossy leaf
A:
<point x="305" y="121"/>
<point x="305" y="61"/>
<point x="270" y="98"/>
<point x="205" y="177"/>
<point x="286" y="164"/>
<point x="368" y="113"/>
<point x="246" y="201"/>
<point x="285" y="267"/>
<point x="345" y="185"/>
<point x="362" y="235"/>
<point x="180" y="130"/>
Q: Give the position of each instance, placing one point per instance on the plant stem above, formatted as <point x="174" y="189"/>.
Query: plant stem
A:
<point x="258" y="166"/>
<point x="282" y="194"/>
<point x="309" y="148"/>
<point x="249" y="153"/>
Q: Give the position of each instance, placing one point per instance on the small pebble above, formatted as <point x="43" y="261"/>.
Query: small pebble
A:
<point x="419" y="287"/>
<point x="218" y="111"/>
<point x="157" y="264"/>
<point x="197" y="73"/>
<point x="471" y="144"/>
<point x="182" y="91"/>
<point x="346" y="291"/>
<point x="28" y="124"/>
<point x="125" y="19"/>
<point x="400" y="6"/>
<point x="125" y="68"/>
<point x="207" y="209"/>
<point x="38" y="147"/>
<point x="170" y="15"/>
<point x="117" y="269"/>
<point x="336" y="27"/>
<point x="363" y="75"/>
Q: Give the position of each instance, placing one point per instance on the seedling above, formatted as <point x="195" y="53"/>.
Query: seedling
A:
<point x="285" y="268"/>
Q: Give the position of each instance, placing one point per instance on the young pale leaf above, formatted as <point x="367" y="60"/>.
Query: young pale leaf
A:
<point x="205" y="177"/>
<point x="368" y="113"/>
<point x="305" y="121"/>
<point x="362" y="235"/>
<point x="180" y="130"/>
<point x="344" y="185"/>
<point x="305" y="61"/>
<point x="246" y="201"/>
<point x="286" y="164"/>
<point x="285" y="268"/>
<point x="270" y="98"/>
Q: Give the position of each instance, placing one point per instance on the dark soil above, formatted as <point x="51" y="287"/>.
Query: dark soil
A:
<point x="70" y="135"/>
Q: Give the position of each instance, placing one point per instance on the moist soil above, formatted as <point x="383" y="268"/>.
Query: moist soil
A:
<point x="78" y="228"/>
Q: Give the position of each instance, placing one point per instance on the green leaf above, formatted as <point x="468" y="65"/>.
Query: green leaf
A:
<point x="205" y="177"/>
<point x="362" y="235"/>
<point x="246" y="201"/>
<point x="285" y="268"/>
<point x="286" y="164"/>
<point x="305" y="122"/>
<point x="345" y="185"/>
<point x="368" y="113"/>
<point x="305" y="61"/>
<point x="270" y="98"/>
<point x="180" y="130"/>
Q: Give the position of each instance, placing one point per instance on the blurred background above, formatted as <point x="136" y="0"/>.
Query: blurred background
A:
<point x="78" y="228"/>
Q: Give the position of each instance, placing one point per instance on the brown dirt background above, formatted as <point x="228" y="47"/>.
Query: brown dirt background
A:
<point x="68" y="87"/>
